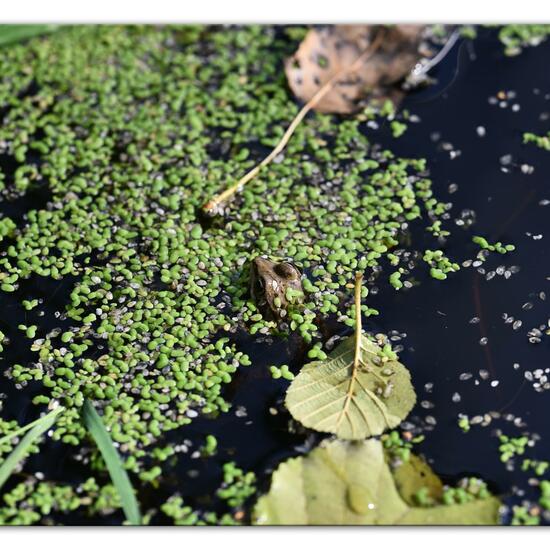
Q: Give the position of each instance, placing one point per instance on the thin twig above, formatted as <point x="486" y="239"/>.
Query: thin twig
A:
<point x="214" y="203"/>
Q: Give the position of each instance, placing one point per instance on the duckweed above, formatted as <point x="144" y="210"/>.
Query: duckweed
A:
<point x="182" y="514"/>
<point x="512" y="446"/>
<point x="397" y="447"/>
<point x="237" y="485"/>
<point x="464" y="424"/>
<point x="538" y="466"/>
<point x="516" y="37"/>
<point x="540" y="141"/>
<point x="522" y="515"/>
<point x="544" y="500"/>
<point x="281" y="372"/>
<point x="236" y="488"/>
<point x="397" y="128"/>
<point x="32" y="502"/>
<point x="468" y="489"/>
<point x="210" y="445"/>
<point x="497" y="247"/>
<point x="131" y="132"/>
<point x="439" y="264"/>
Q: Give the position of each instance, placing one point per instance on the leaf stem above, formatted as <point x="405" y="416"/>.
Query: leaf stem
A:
<point x="218" y="200"/>
<point x="357" y="355"/>
<point x="358" y="327"/>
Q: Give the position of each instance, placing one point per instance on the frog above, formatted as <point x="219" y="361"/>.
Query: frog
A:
<point x="274" y="286"/>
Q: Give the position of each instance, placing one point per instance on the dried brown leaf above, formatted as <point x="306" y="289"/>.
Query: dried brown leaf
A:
<point x="337" y="53"/>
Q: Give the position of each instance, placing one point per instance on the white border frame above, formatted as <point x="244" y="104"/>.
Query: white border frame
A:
<point x="278" y="11"/>
<point x="275" y="11"/>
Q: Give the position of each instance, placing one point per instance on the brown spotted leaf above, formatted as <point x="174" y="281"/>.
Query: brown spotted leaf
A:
<point x="364" y="62"/>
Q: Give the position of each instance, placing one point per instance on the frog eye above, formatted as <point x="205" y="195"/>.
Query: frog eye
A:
<point x="285" y="269"/>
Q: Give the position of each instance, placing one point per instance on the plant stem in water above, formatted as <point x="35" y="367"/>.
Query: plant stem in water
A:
<point x="218" y="200"/>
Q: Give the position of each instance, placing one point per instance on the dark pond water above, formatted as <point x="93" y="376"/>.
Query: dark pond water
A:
<point x="471" y="139"/>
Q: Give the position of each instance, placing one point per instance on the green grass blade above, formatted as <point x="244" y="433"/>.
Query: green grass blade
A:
<point x="38" y="428"/>
<point x="30" y="425"/>
<point x="118" y="474"/>
<point x="14" y="33"/>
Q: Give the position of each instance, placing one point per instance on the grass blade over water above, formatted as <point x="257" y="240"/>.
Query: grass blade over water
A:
<point x="37" y="428"/>
<point x="110" y="455"/>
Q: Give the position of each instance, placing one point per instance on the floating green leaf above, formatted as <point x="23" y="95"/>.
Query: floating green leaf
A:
<point x="118" y="474"/>
<point x="353" y="400"/>
<point x="359" y="391"/>
<point x="37" y="428"/>
<point x="350" y="483"/>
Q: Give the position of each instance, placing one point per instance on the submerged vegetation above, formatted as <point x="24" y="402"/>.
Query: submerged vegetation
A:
<point x="125" y="133"/>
